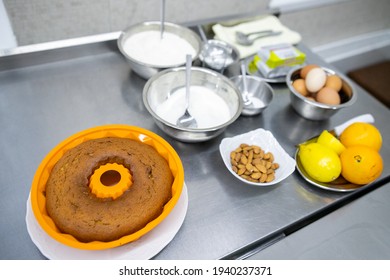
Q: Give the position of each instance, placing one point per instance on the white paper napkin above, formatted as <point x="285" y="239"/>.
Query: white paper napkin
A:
<point x="268" y="22"/>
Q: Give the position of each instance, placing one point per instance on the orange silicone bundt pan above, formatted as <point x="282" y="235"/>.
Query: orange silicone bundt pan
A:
<point x="38" y="199"/>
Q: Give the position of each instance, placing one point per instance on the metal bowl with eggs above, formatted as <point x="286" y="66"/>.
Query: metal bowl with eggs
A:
<point x="214" y="101"/>
<point x="317" y="92"/>
<point x="150" y="49"/>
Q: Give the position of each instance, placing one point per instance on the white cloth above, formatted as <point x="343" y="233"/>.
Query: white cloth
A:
<point x="268" y="22"/>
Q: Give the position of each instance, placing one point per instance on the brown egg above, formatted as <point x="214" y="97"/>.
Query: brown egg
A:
<point x="299" y="86"/>
<point x="306" y="70"/>
<point x="334" y="82"/>
<point x="328" y="96"/>
<point x="311" y="98"/>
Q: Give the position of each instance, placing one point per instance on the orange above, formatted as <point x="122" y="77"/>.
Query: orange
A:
<point x="361" y="134"/>
<point x="361" y="165"/>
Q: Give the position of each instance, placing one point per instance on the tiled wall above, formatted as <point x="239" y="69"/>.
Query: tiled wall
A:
<point x="36" y="21"/>
<point x="336" y="22"/>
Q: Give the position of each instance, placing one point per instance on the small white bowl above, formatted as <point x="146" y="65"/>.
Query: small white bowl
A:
<point x="265" y="140"/>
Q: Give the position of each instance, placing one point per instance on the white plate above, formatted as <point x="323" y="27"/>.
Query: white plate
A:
<point x="144" y="248"/>
<point x="268" y="143"/>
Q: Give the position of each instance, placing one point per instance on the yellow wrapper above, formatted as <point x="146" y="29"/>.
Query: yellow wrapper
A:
<point x="276" y="60"/>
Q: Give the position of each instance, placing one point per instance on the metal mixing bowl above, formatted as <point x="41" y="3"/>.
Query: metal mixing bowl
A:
<point x="146" y="70"/>
<point x="218" y="55"/>
<point x="259" y="92"/>
<point x="313" y="110"/>
<point x="159" y="88"/>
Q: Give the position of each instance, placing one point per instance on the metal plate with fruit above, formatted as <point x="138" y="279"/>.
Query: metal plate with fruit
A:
<point x="344" y="159"/>
<point x="339" y="184"/>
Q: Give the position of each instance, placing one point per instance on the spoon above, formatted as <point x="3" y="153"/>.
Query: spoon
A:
<point x="202" y="34"/>
<point x="187" y="121"/>
<point x="162" y="17"/>
<point x="244" y="39"/>
<point x="245" y="95"/>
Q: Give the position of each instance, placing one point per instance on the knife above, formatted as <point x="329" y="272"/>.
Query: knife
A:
<point x="366" y="118"/>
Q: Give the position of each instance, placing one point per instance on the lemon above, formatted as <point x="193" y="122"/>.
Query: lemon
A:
<point x="320" y="162"/>
<point x="329" y="140"/>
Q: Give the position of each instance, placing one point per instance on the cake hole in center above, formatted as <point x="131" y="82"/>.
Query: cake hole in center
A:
<point x="110" y="178"/>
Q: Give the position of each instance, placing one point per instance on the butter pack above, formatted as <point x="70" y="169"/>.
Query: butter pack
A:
<point x="276" y="60"/>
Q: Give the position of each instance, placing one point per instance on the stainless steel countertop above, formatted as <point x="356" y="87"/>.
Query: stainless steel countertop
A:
<point x="49" y="95"/>
<point x="359" y="230"/>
